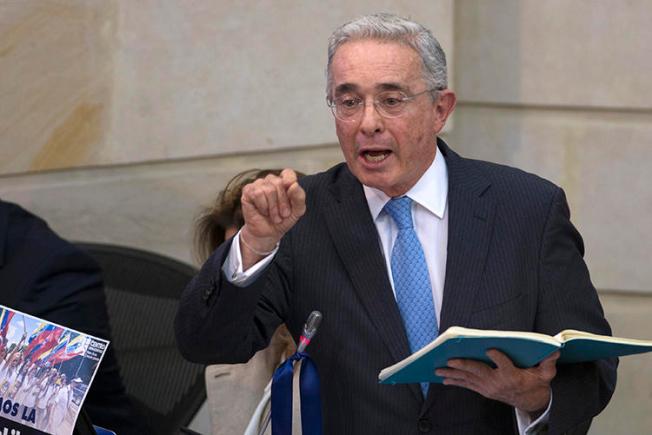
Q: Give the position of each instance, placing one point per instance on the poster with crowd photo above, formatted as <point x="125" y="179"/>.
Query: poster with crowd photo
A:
<point x="45" y="372"/>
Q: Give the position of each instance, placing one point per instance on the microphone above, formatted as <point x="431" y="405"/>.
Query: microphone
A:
<point x="308" y="333"/>
<point x="309" y="330"/>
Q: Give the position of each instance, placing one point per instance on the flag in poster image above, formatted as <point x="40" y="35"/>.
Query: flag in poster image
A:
<point x="73" y="348"/>
<point x="45" y="373"/>
<point x="5" y="318"/>
<point x="38" y="337"/>
<point x="63" y="341"/>
<point x="40" y="328"/>
<point x="50" y="341"/>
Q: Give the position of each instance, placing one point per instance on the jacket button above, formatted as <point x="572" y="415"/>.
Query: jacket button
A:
<point x="424" y="425"/>
<point x="207" y="293"/>
<point x="212" y="286"/>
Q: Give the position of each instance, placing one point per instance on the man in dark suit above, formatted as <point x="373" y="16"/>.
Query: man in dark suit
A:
<point x="47" y="277"/>
<point x="494" y="245"/>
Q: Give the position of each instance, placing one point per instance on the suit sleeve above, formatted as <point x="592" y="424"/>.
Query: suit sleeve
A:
<point x="218" y="322"/>
<point x="568" y="300"/>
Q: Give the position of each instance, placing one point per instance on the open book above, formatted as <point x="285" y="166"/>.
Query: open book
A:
<point x="525" y="349"/>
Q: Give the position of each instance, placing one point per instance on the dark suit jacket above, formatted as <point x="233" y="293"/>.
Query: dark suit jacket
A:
<point x="45" y="276"/>
<point x="514" y="262"/>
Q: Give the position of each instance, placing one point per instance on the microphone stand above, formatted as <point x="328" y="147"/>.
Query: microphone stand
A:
<point x="309" y="331"/>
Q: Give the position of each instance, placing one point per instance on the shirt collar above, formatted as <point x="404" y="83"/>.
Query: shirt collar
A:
<point x="430" y="192"/>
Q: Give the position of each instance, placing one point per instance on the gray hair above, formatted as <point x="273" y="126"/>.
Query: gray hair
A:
<point x="389" y="27"/>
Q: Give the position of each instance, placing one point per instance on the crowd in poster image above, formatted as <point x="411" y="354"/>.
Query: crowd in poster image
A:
<point x="41" y="384"/>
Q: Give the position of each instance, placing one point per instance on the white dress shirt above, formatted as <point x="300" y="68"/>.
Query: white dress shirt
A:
<point x="430" y="216"/>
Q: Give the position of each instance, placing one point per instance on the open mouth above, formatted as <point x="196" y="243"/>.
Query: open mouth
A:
<point x="375" y="156"/>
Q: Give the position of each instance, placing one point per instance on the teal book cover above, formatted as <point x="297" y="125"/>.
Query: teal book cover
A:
<point x="525" y="349"/>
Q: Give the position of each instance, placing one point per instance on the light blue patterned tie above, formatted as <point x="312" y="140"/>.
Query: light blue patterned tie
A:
<point x="411" y="280"/>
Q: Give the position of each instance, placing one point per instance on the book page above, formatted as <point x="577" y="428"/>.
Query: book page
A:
<point x="572" y="334"/>
<point x="458" y="331"/>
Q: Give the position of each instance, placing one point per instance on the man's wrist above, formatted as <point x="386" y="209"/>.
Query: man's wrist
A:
<point x="255" y="250"/>
<point x="544" y="403"/>
<point x="536" y="414"/>
<point x="262" y="246"/>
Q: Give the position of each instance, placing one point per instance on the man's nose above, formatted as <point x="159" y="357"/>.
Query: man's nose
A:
<point x="371" y="121"/>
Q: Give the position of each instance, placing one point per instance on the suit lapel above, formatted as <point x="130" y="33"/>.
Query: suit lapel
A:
<point x="470" y="225"/>
<point x="356" y="241"/>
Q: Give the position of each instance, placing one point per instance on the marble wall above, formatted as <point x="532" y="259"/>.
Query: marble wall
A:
<point x="55" y="83"/>
<point x="561" y="89"/>
<point x="100" y="83"/>
<point x="629" y="409"/>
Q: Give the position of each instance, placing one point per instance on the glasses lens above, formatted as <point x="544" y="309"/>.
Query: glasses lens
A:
<point x="391" y="103"/>
<point x="347" y="107"/>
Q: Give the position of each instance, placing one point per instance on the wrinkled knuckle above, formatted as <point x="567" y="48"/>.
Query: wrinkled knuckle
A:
<point x="268" y="189"/>
<point x="273" y="180"/>
<point x="247" y="190"/>
<point x="254" y="189"/>
<point x="288" y="173"/>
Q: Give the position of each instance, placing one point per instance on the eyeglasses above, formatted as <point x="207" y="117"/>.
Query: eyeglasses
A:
<point x="389" y="104"/>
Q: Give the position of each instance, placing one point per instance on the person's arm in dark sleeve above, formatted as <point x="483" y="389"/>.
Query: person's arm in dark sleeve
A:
<point x="568" y="300"/>
<point x="220" y="322"/>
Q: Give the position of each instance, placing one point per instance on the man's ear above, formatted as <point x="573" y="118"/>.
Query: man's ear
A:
<point x="443" y="107"/>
